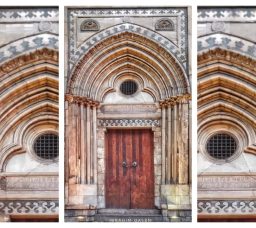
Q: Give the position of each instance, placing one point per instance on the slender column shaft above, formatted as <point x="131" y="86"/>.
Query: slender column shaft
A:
<point x="163" y="144"/>
<point x="174" y="152"/>
<point x="83" y="157"/>
<point x="95" y="143"/>
<point x="169" y="143"/>
<point x="88" y="143"/>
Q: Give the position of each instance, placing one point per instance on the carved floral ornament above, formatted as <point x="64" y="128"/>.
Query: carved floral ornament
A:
<point x="171" y="101"/>
<point x="229" y="56"/>
<point x="42" y="54"/>
<point x="71" y="99"/>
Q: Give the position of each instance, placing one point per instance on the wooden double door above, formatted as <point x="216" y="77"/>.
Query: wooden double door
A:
<point x="129" y="168"/>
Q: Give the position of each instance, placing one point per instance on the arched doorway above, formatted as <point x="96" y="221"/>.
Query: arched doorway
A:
<point x="127" y="125"/>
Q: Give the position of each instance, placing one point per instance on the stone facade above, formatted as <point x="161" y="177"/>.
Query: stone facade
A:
<point x="226" y="103"/>
<point x="104" y="47"/>
<point x="28" y="108"/>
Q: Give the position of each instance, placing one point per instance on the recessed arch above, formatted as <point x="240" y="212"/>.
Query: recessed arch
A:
<point x="122" y="50"/>
<point x="227" y="91"/>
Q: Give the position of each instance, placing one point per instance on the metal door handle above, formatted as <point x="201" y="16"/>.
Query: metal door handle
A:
<point x="134" y="164"/>
<point x="124" y="164"/>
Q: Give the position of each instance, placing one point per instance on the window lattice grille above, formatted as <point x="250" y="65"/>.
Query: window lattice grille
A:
<point x="221" y="146"/>
<point x="128" y="87"/>
<point x="47" y="146"/>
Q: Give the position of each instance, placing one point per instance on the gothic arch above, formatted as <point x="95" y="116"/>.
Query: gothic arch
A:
<point x="226" y="96"/>
<point x="29" y="98"/>
<point x="128" y="53"/>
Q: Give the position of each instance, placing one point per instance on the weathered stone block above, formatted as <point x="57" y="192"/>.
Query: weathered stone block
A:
<point x="101" y="202"/>
<point x="101" y="190"/>
<point x="101" y="179"/>
<point x="87" y="189"/>
<point x="101" y="167"/>
<point x="75" y="200"/>
<point x="157" y="159"/>
<point x="90" y="200"/>
<point x="100" y="153"/>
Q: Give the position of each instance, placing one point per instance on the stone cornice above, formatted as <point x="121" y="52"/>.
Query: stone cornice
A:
<point x="172" y="101"/>
<point x="41" y="54"/>
<point x="219" y="54"/>
<point x="71" y="99"/>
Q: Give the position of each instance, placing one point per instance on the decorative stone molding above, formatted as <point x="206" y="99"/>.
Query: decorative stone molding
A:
<point x="29" y="207"/>
<point x="227" y="42"/>
<point x="37" y="55"/>
<point x="29" y="14"/>
<point x="76" y="53"/>
<point x="218" y="54"/>
<point x="28" y="44"/>
<point x="81" y="100"/>
<point x="128" y="108"/>
<point x="164" y="25"/>
<point x="171" y="101"/>
<point x="129" y="123"/>
<point x="89" y="25"/>
<point x="227" y="14"/>
<point x="224" y="207"/>
<point x="29" y="183"/>
<point x="251" y="149"/>
<point x="225" y="182"/>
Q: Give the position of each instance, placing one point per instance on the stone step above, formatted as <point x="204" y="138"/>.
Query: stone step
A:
<point x="128" y="215"/>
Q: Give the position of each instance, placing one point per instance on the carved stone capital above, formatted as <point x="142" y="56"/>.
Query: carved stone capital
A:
<point x="81" y="100"/>
<point x="172" y="101"/>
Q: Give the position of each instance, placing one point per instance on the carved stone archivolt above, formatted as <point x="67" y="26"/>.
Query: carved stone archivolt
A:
<point x="219" y="54"/>
<point x="30" y="58"/>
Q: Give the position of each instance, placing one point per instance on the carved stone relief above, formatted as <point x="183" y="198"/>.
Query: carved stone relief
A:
<point x="164" y="25"/>
<point x="29" y="207"/>
<point x="89" y="25"/>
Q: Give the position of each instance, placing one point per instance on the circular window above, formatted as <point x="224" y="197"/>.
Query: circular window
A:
<point x="129" y="87"/>
<point x="221" y="146"/>
<point x="46" y="146"/>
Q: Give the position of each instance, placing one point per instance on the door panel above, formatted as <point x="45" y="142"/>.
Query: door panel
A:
<point x="129" y="186"/>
